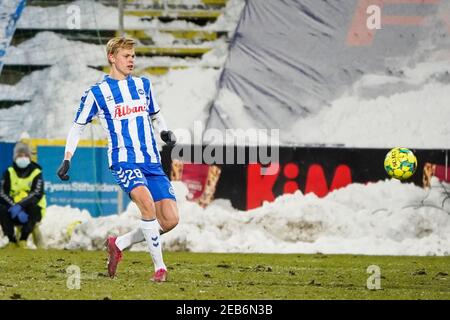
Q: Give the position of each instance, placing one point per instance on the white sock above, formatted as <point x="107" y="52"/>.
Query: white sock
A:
<point x="132" y="237"/>
<point x="150" y="230"/>
<point x="129" y="238"/>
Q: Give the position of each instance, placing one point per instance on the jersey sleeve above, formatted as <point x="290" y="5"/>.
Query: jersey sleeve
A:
<point x="74" y="137"/>
<point x="160" y="122"/>
<point x="5" y="188"/>
<point x="153" y="106"/>
<point x="88" y="108"/>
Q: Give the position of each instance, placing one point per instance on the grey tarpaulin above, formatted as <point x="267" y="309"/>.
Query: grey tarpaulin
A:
<point x="290" y="58"/>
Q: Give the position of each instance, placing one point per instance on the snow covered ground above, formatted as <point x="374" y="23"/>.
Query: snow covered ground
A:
<point x="383" y="218"/>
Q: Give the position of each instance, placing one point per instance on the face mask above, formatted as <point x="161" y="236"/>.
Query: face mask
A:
<point x="23" y="162"/>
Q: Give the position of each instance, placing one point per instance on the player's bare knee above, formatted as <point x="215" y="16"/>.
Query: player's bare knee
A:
<point x="169" y="224"/>
<point x="173" y="222"/>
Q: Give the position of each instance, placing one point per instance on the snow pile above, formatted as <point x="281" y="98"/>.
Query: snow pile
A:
<point x="383" y="218"/>
<point x="86" y="14"/>
<point x="183" y="94"/>
<point x="47" y="48"/>
<point x="412" y="110"/>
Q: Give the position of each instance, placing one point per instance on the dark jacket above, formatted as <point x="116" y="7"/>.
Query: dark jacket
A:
<point x="37" y="187"/>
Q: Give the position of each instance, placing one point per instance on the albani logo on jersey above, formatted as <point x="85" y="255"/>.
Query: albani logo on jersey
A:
<point x="122" y="111"/>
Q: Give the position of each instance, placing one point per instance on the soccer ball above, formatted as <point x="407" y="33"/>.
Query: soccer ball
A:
<point x="400" y="163"/>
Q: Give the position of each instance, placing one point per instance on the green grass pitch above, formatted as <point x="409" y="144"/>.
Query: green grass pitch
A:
<point x="53" y="274"/>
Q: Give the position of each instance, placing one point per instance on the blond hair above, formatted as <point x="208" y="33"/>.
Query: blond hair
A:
<point x="114" y="44"/>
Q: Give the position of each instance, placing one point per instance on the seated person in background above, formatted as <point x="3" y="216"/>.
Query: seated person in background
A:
<point x="22" y="199"/>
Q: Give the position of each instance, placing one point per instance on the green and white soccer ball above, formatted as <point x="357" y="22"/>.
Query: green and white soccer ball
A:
<point x="400" y="163"/>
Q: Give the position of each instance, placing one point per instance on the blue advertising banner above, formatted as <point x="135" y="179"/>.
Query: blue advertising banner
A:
<point x="6" y="154"/>
<point x="91" y="185"/>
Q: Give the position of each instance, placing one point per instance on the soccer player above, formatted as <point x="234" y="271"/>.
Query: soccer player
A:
<point x="126" y="108"/>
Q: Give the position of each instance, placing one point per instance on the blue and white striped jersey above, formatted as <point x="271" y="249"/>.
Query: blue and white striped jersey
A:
<point x="123" y="108"/>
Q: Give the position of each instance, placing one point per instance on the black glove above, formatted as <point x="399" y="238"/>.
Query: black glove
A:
<point x="169" y="138"/>
<point x="62" y="170"/>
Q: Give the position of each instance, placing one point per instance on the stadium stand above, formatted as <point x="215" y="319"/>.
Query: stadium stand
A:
<point x="191" y="40"/>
